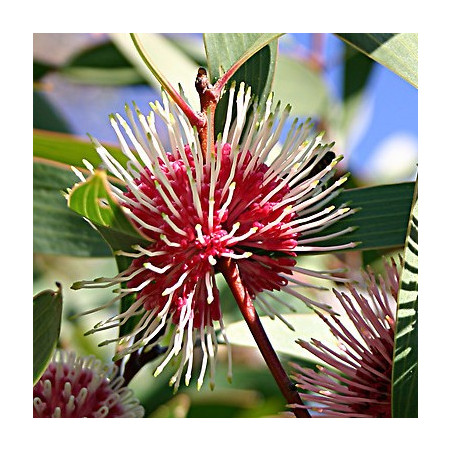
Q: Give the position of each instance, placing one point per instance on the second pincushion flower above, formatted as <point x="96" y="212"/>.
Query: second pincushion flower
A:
<point x="247" y="198"/>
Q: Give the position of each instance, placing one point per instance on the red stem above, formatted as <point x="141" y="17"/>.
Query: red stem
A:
<point x="194" y="118"/>
<point x="231" y="273"/>
<point x="208" y="98"/>
<point x="221" y="82"/>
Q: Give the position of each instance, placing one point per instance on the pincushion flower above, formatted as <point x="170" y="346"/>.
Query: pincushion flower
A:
<point x="77" y="387"/>
<point x="247" y="198"/>
<point x="356" y="379"/>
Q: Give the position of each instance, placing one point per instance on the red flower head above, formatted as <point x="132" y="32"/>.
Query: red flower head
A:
<point x="247" y="199"/>
<point x="72" y="386"/>
<point x="356" y="378"/>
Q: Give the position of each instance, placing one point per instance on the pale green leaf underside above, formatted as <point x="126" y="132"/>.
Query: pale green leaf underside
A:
<point x="93" y="200"/>
<point x="301" y="87"/>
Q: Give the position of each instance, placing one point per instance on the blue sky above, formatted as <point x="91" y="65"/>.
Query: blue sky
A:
<point x="388" y="117"/>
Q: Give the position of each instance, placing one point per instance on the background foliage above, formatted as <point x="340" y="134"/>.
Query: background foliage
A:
<point x="79" y="79"/>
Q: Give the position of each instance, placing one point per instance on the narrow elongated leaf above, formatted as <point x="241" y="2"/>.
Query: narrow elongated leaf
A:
<point x="167" y="58"/>
<point x="66" y="149"/>
<point x="56" y="229"/>
<point x="47" y="308"/>
<point x="405" y="369"/>
<point x="104" y="56"/>
<point x="382" y="220"/>
<point x="101" y="64"/>
<point x="103" y="77"/>
<point x="397" y="51"/>
<point x="357" y="68"/>
<point x="255" y="51"/>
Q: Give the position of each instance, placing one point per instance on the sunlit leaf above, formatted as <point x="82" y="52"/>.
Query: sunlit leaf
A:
<point x="47" y="308"/>
<point x="93" y="200"/>
<point x="69" y="150"/>
<point x="167" y="58"/>
<point x="103" y="77"/>
<point x="191" y="45"/>
<point x="300" y="86"/>
<point x="397" y="51"/>
<point x="405" y="369"/>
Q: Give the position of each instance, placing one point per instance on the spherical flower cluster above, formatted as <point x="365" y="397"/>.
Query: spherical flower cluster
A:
<point x="78" y="387"/>
<point x="356" y="379"/>
<point x="247" y="198"/>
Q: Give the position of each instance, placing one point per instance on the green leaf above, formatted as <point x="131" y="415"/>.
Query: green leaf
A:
<point x="223" y="50"/>
<point x="382" y="220"/>
<point x="102" y="64"/>
<point x="301" y="87"/>
<point x="56" y="229"/>
<point x="405" y="368"/>
<point x="40" y="69"/>
<point x="357" y="68"/>
<point x="170" y="61"/>
<point x="257" y="51"/>
<point x="104" y="77"/>
<point x="283" y="339"/>
<point x="66" y="149"/>
<point x="105" y="55"/>
<point x="93" y="200"/>
<point x="191" y="46"/>
<point x="46" y="116"/>
<point x="47" y="308"/>
<point x="397" y="51"/>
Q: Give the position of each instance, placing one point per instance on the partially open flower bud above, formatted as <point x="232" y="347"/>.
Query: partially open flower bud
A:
<point x="76" y="387"/>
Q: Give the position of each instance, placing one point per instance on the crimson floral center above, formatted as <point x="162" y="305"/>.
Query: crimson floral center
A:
<point x="247" y="198"/>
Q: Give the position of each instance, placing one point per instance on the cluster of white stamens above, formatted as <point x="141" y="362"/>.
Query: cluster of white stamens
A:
<point x="74" y="386"/>
<point x="253" y="147"/>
